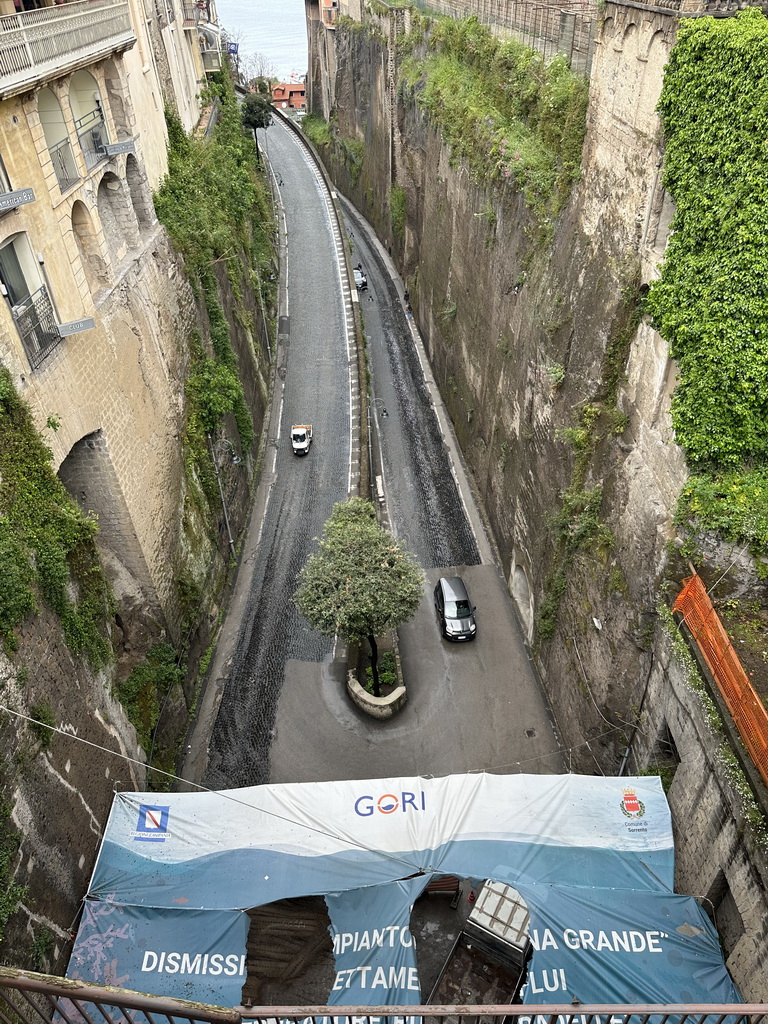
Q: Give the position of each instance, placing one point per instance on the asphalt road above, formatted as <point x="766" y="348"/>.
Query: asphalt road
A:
<point x="314" y="366"/>
<point x="276" y="707"/>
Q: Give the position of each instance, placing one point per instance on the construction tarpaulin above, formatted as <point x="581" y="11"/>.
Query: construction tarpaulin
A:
<point x="557" y="839"/>
<point x="378" y="960"/>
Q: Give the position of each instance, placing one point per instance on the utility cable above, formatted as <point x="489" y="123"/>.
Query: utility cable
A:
<point x="215" y="792"/>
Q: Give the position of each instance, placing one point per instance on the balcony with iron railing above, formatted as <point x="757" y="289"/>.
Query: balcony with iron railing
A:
<point x="36" y="324"/>
<point x="64" y="165"/>
<point x="38" y="45"/>
<point x="193" y="12"/>
<point x="92" y="136"/>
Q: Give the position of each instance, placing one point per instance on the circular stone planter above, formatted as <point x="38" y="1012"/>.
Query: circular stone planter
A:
<point x="376" y="707"/>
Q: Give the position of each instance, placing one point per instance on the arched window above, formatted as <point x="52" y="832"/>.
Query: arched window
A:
<point x="57" y="139"/>
<point x="88" y="112"/>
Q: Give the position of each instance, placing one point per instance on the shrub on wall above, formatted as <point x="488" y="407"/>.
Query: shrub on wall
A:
<point x="215" y="205"/>
<point x="511" y="116"/>
<point x="711" y="302"/>
<point x="47" y="545"/>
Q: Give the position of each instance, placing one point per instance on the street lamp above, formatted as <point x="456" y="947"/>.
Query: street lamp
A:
<point x="235" y="460"/>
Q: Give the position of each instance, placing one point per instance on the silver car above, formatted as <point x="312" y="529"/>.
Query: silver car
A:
<point x="455" y="612"/>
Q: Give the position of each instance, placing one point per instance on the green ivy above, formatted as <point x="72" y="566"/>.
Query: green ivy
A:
<point x="317" y="130"/>
<point x="47" y="545"/>
<point x="43" y="716"/>
<point x="397" y="209"/>
<point x="711" y="302"/>
<point x="215" y="205"/>
<point x="735" y="504"/>
<point x="142" y="693"/>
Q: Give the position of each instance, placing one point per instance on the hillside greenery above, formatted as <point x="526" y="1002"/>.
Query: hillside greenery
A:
<point x="217" y="209"/>
<point x="711" y="302"/>
<point x="47" y="549"/>
<point x="502" y="109"/>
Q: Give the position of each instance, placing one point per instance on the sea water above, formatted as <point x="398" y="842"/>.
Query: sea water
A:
<point x="275" y="29"/>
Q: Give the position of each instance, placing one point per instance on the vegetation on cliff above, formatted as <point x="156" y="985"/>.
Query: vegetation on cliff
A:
<point x="216" y="207"/>
<point x="711" y="302"/>
<point x="505" y="111"/>
<point x="47" y="545"/>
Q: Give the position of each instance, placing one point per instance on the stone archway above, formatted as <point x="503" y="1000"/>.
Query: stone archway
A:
<point x="140" y="195"/>
<point x="121" y="231"/>
<point x="96" y="270"/>
<point x="90" y="477"/>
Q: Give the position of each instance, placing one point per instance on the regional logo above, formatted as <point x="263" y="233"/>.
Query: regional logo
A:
<point x="152" y="826"/>
<point x="630" y="806"/>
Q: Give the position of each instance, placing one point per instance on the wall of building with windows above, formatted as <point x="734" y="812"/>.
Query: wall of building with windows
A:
<point x="94" y="306"/>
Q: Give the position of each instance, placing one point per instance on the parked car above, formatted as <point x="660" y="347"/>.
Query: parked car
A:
<point x="361" y="281"/>
<point x="455" y="612"/>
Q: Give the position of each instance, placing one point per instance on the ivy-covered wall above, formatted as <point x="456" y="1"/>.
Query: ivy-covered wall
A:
<point x="711" y="303"/>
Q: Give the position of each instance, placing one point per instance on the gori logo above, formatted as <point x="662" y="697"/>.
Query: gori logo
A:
<point x="631" y="807"/>
<point x="388" y="803"/>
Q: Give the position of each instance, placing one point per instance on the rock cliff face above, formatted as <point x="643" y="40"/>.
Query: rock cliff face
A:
<point x="559" y="393"/>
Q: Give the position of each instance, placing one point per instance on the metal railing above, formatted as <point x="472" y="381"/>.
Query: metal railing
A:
<point x="192" y="13"/>
<point x="63" y="160"/>
<point x="92" y="135"/>
<point x="554" y="28"/>
<point x="36" y="44"/>
<point x="29" y="998"/>
<point x="36" y="324"/>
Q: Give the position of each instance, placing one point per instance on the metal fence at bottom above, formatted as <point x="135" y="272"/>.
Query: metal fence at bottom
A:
<point x="29" y="998"/>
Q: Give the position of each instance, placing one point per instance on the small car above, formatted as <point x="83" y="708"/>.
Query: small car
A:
<point x="361" y="281"/>
<point x="455" y="612"/>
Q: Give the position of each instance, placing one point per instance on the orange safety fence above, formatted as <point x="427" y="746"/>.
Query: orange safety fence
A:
<point x="746" y="708"/>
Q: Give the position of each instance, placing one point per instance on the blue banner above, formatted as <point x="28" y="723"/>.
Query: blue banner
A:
<point x="622" y="946"/>
<point x="187" y="954"/>
<point x="373" y="945"/>
<point x="593" y="857"/>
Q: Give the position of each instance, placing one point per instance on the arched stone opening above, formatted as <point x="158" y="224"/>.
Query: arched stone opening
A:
<point x="521" y="595"/>
<point x="90" y="477"/>
<point x="140" y="195"/>
<point x="96" y="270"/>
<point x="119" y="102"/>
<point x="116" y="212"/>
<point x="88" y="112"/>
<point x="57" y="140"/>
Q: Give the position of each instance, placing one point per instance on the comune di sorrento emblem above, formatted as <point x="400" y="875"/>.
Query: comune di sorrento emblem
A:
<point x="630" y="806"/>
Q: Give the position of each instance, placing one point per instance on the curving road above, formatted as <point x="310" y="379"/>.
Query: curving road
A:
<point x="314" y="364"/>
<point x="277" y="693"/>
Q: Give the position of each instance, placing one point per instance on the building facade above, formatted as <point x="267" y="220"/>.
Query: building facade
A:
<point x="95" y="309"/>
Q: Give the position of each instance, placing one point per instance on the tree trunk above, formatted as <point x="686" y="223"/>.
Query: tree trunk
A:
<point x="374" y="665"/>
